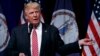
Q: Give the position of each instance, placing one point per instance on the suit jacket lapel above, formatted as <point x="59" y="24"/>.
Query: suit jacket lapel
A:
<point x="26" y="38"/>
<point x="26" y="35"/>
<point x="44" y="37"/>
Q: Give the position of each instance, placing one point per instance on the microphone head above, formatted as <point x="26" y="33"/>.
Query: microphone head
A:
<point x="30" y="27"/>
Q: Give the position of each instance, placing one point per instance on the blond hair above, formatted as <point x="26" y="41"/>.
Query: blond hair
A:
<point x="34" y="5"/>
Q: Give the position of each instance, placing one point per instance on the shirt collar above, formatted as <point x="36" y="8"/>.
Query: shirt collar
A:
<point x="39" y="26"/>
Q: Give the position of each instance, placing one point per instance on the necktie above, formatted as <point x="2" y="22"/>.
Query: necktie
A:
<point x="34" y="44"/>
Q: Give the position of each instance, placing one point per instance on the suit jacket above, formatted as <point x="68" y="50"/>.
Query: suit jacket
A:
<point x="51" y="42"/>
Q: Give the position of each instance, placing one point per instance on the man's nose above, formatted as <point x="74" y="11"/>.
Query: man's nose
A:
<point x="34" y="14"/>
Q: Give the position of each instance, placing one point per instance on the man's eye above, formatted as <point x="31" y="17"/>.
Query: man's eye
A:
<point x="36" y="11"/>
<point x="31" y="12"/>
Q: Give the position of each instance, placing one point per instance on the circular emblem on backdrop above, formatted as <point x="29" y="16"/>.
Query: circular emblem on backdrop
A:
<point x="64" y="20"/>
<point x="4" y="35"/>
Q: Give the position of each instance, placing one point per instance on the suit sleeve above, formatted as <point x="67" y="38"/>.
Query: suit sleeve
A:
<point x="62" y="48"/>
<point x="11" y="48"/>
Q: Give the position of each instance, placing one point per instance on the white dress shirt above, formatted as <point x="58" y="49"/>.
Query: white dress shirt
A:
<point x="39" y="36"/>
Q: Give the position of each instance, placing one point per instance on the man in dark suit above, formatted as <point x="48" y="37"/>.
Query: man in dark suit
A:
<point x="49" y="41"/>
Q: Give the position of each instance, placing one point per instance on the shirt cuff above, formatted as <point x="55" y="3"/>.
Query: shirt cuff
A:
<point x="80" y="47"/>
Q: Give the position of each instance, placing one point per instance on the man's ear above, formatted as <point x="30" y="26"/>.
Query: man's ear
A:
<point x="25" y="15"/>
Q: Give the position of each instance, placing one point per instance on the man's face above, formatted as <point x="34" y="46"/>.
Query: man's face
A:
<point x="33" y="15"/>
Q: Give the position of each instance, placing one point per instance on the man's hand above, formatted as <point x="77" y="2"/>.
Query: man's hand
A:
<point x="85" y="42"/>
<point x="21" y="54"/>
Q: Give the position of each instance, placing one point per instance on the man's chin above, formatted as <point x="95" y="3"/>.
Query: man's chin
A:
<point x="35" y="24"/>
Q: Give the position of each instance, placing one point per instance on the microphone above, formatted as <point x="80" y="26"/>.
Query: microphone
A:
<point x="30" y="27"/>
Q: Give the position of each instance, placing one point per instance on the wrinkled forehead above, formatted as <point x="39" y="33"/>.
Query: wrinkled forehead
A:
<point x="32" y="5"/>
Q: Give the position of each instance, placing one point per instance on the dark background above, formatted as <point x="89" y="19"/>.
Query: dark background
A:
<point x="82" y="8"/>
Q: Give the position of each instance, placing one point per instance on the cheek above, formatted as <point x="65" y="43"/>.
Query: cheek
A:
<point x="38" y="15"/>
<point x="30" y="17"/>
